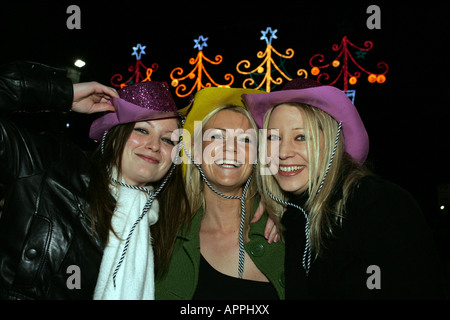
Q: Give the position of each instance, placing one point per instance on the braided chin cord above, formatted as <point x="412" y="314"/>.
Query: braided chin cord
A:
<point x="306" y="260"/>
<point x="147" y="206"/>
<point x="242" y="199"/>
<point x="332" y="156"/>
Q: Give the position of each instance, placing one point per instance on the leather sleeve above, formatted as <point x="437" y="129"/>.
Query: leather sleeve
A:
<point x="30" y="86"/>
<point x="26" y="86"/>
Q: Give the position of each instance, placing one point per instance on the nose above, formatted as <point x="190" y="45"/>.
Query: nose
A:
<point x="230" y="144"/>
<point x="153" y="143"/>
<point x="286" y="150"/>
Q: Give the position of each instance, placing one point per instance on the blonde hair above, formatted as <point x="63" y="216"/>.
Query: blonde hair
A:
<point x="323" y="214"/>
<point x="193" y="180"/>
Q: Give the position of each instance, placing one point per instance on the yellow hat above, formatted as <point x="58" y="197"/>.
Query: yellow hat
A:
<point x="207" y="100"/>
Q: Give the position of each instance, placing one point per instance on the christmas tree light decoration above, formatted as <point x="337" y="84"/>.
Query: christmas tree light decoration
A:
<point x="342" y="61"/>
<point x="181" y="89"/>
<point x="265" y="68"/>
<point x="272" y="35"/>
<point x="135" y="49"/>
<point x="136" y="70"/>
<point x="199" y="45"/>
<point x="351" y="95"/>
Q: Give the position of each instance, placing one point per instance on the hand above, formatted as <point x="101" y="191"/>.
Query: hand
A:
<point x="91" y="97"/>
<point x="270" y="231"/>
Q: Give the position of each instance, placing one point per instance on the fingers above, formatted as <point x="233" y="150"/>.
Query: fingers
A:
<point x="102" y="91"/>
<point x="273" y="235"/>
<point x="92" y="97"/>
<point x="108" y="91"/>
<point x="259" y="212"/>
<point x="268" y="229"/>
<point x="104" y="106"/>
<point x="271" y="230"/>
<point x="85" y="89"/>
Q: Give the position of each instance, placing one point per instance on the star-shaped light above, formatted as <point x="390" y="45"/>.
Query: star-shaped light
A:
<point x="271" y="36"/>
<point x="361" y="54"/>
<point x="135" y="49"/>
<point x="200" y="45"/>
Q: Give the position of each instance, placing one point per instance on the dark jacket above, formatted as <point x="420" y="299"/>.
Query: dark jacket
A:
<point x="45" y="225"/>
<point x="383" y="250"/>
<point x="181" y="280"/>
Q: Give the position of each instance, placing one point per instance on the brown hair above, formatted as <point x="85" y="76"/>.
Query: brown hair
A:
<point x="174" y="207"/>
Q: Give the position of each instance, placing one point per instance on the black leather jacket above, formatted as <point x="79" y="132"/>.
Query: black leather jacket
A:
<point x="45" y="225"/>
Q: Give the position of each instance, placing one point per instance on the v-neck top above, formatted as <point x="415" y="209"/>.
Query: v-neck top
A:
<point x="214" y="285"/>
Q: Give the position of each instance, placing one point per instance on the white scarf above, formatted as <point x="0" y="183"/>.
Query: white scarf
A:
<point x="135" y="278"/>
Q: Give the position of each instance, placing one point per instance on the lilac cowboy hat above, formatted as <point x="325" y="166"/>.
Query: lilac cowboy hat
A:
<point x="150" y="100"/>
<point x="327" y="98"/>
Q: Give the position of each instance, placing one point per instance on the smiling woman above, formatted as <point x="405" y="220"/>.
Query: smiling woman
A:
<point x="340" y="220"/>
<point x="112" y="215"/>
<point x="220" y="254"/>
<point x="289" y="149"/>
<point x="147" y="153"/>
<point x="136" y="155"/>
<point x="228" y="157"/>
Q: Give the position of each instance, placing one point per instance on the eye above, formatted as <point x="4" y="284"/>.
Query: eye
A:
<point x="168" y="141"/>
<point x="300" y="137"/>
<point x="217" y="136"/>
<point x="244" y="139"/>
<point x="273" y="137"/>
<point x="141" y="130"/>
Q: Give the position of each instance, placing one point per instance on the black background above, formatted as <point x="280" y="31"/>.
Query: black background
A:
<point x="407" y="117"/>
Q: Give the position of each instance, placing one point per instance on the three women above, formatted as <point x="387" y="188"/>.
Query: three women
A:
<point x="62" y="209"/>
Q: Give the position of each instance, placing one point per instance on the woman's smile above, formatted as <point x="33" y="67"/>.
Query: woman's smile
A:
<point x="148" y="158"/>
<point x="228" y="164"/>
<point x="290" y="170"/>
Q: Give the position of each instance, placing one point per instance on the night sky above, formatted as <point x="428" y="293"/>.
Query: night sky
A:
<point x="407" y="117"/>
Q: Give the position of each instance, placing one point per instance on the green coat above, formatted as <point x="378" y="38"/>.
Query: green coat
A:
<point x="181" y="280"/>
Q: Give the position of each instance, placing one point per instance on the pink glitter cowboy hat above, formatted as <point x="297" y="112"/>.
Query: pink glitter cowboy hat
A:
<point x="150" y="100"/>
<point x="327" y="98"/>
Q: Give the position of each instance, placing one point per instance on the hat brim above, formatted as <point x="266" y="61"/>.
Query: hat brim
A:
<point x="327" y="98"/>
<point x="126" y="112"/>
<point x="208" y="99"/>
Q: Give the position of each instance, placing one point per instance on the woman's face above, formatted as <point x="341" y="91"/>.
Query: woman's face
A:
<point x="146" y="156"/>
<point x="292" y="172"/>
<point x="229" y="150"/>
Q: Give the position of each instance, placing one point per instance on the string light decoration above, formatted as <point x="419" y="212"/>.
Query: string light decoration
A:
<point x="181" y="89"/>
<point x="136" y="76"/>
<point x="342" y="61"/>
<point x="265" y="68"/>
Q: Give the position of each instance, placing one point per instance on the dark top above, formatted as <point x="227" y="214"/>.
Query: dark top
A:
<point x="45" y="227"/>
<point x="383" y="250"/>
<point x="214" y="285"/>
<point x="182" y="278"/>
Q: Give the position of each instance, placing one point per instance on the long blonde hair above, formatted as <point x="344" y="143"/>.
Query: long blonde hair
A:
<point x="193" y="180"/>
<point x="324" y="214"/>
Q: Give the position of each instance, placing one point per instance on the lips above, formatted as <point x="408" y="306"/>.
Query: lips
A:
<point x="148" y="158"/>
<point x="228" y="163"/>
<point x="290" y="170"/>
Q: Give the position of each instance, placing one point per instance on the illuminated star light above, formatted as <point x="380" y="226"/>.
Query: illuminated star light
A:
<point x="200" y="45"/>
<point x="272" y="35"/>
<point x="361" y="54"/>
<point x="135" y="49"/>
